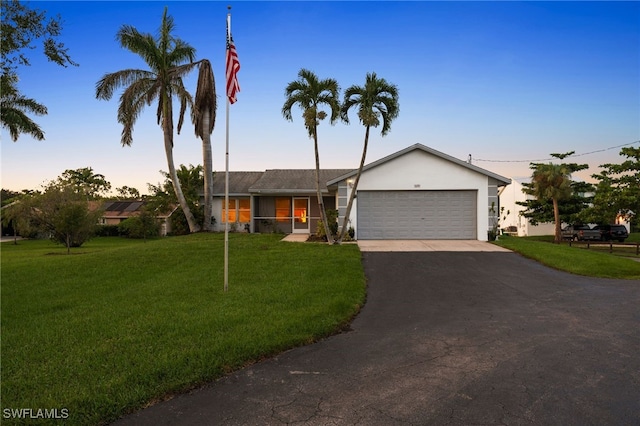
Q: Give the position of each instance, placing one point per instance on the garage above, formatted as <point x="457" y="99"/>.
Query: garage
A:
<point x="415" y="214"/>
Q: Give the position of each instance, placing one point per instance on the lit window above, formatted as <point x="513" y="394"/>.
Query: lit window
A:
<point x="244" y="210"/>
<point x="232" y="212"/>
<point x="239" y="211"/>
<point x="283" y="207"/>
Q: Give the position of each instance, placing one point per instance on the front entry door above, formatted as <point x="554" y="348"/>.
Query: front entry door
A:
<point x="301" y="215"/>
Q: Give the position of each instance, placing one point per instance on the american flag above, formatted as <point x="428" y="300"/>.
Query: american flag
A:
<point x="233" y="66"/>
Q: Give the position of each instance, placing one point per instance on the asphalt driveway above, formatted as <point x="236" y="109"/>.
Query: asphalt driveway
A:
<point x="447" y="338"/>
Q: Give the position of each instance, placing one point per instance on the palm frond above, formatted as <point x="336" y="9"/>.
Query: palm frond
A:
<point x="376" y="99"/>
<point x="205" y="100"/>
<point x="132" y="102"/>
<point x="113" y="81"/>
<point x="141" y="44"/>
<point x="17" y="123"/>
<point x="310" y="94"/>
<point x="186" y="101"/>
<point x="181" y="52"/>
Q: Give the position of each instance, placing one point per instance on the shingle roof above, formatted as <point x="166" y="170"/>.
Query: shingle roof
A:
<point x="239" y="182"/>
<point x="281" y="181"/>
<point x="294" y="180"/>
<point x="121" y="208"/>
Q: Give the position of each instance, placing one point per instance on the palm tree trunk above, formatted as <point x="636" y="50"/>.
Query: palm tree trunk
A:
<point x="352" y="195"/>
<point x="207" y="159"/>
<point x="556" y="217"/>
<point x="168" y="148"/>
<point x="323" y="215"/>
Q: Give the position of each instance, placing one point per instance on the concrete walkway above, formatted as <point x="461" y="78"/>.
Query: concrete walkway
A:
<point x="414" y="245"/>
<point x="428" y="245"/>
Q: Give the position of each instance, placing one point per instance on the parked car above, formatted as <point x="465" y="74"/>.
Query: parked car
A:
<point x="612" y="232"/>
<point x="581" y="233"/>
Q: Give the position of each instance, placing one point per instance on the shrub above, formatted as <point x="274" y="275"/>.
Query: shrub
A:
<point x="107" y="231"/>
<point x="142" y="226"/>
<point x="332" y="219"/>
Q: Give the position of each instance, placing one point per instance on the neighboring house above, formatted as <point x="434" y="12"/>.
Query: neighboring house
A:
<point x="511" y="218"/>
<point x="118" y="211"/>
<point x="415" y="193"/>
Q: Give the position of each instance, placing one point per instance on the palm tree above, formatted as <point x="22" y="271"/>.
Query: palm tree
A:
<point x="377" y="100"/>
<point x="552" y="182"/>
<point x="166" y="56"/>
<point x="14" y="108"/>
<point x="310" y="94"/>
<point x="204" y="117"/>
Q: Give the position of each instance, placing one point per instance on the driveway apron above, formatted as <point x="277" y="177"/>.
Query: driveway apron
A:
<point x="447" y="338"/>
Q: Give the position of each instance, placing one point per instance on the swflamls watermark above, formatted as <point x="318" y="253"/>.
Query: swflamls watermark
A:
<point x="35" y="413"/>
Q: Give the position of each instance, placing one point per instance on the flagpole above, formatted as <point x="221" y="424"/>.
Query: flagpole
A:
<point x="226" y="174"/>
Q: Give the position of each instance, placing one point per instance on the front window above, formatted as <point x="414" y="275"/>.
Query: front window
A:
<point x="283" y="209"/>
<point x="239" y="210"/>
<point x="244" y="210"/>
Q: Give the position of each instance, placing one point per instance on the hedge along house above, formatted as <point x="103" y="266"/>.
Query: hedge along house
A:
<point x="420" y="193"/>
<point x="415" y="193"/>
<point x="273" y="201"/>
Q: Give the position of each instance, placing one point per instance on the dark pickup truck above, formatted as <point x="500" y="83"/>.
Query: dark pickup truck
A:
<point x="581" y="233"/>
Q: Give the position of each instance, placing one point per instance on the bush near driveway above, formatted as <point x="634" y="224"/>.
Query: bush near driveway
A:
<point x="120" y="323"/>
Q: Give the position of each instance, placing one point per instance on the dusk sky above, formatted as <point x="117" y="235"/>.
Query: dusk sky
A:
<point x="508" y="82"/>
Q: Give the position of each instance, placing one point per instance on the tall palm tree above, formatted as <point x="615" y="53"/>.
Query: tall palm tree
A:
<point x="204" y="118"/>
<point x="552" y="182"/>
<point x="14" y="108"/>
<point x="166" y="56"/>
<point x="377" y="99"/>
<point x="311" y="94"/>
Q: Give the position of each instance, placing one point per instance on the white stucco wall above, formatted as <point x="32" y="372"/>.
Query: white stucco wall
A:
<point x="508" y="198"/>
<point x="418" y="170"/>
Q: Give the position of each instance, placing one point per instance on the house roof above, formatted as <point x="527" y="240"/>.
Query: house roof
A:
<point x="239" y="182"/>
<point x="121" y="208"/>
<point x="294" y="180"/>
<point x="501" y="179"/>
<point x="275" y="181"/>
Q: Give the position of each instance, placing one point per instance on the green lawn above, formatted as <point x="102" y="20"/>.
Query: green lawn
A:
<point x="577" y="259"/>
<point x="120" y="323"/>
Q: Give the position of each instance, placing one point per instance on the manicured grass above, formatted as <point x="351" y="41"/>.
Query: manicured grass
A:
<point x="120" y="323"/>
<point x="576" y="259"/>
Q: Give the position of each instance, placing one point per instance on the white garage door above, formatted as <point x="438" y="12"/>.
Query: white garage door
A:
<point x="423" y="215"/>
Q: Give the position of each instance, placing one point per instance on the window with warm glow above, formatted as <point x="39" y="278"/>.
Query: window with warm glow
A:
<point x="244" y="210"/>
<point x="283" y="209"/>
<point x="239" y="210"/>
<point x="232" y="212"/>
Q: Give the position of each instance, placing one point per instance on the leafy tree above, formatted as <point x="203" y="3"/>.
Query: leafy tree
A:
<point x="618" y="189"/>
<point x="85" y="182"/>
<point x="571" y="209"/>
<point x="311" y="94"/>
<point x="7" y="196"/>
<point x="162" y="198"/>
<point x="165" y="56"/>
<point x="21" y="27"/>
<point x="64" y="214"/>
<point x="551" y="184"/>
<point x="128" y="192"/>
<point x="204" y="117"/>
<point x="376" y="100"/>
<point x="16" y="216"/>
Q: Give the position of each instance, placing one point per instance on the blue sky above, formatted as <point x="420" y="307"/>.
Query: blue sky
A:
<point x="507" y="82"/>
